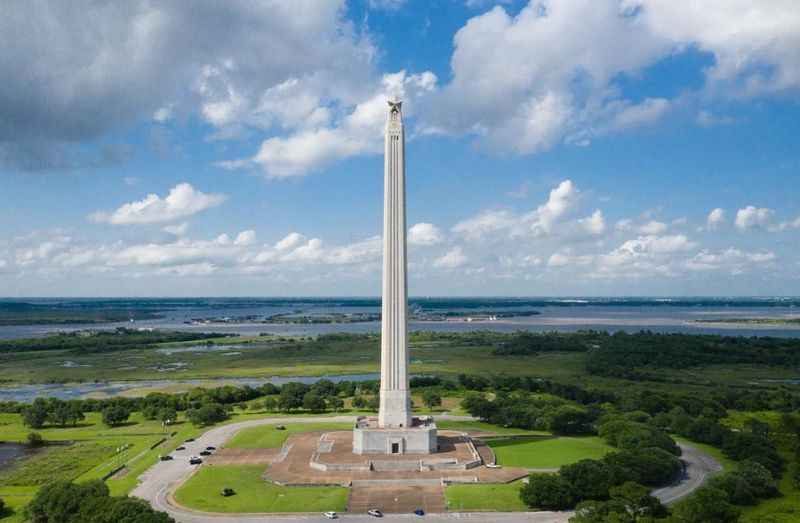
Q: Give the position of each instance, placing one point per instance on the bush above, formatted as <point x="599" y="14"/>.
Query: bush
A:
<point x="35" y="439"/>
<point x="547" y="491"/>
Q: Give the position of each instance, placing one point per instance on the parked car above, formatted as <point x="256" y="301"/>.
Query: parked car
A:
<point x="211" y="448"/>
<point x="493" y="466"/>
<point x="188" y="440"/>
<point x="181" y="448"/>
<point x="375" y="513"/>
<point x="194" y="460"/>
<point x="165" y="458"/>
<point x="205" y="453"/>
<point x="226" y="492"/>
<point x="330" y="515"/>
<point x="419" y="512"/>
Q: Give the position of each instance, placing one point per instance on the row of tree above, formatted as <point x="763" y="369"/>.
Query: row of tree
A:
<point x="65" y="502"/>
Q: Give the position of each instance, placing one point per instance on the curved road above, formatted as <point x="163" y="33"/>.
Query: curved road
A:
<point x="162" y="479"/>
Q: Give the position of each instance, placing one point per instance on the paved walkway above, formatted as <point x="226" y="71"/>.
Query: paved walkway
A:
<point x="157" y="484"/>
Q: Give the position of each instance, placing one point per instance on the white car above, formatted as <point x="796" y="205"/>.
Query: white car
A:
<point x="331" y="515"/>
<point x="493" y="466"/>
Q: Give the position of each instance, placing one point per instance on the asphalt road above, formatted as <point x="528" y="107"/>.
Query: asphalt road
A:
<point x="163" y="478"/>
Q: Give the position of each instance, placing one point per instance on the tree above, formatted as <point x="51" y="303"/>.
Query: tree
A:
<point x="431" y="398"/>
<point x="35" y="439"/>
<point x="167" y="415"/>
<point x="704" y="505"/>
<point x="270" y="404"/>
<point x="547" y="491"/>
<point x="747" y="484"/>
<point x="35" y="415"/>
<point x="207" y="414"/>
<point x="590" y="479"/>
<point x="648" y="466"/>
<point x="571" y="421"/>
<point x="637" y="500"/>
<point x="60" y="501"/>
<point x="2" y="507"/>
<point x="335" y="403"/>
<point x="313" y="401"/>
<point x="291" y="396"/>
<point x="359" y="402"/>
<point x="114" y="415"/>
<point x="65" y="502"/>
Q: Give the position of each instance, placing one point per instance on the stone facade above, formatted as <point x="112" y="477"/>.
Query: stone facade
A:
<point x="419" y="439"/>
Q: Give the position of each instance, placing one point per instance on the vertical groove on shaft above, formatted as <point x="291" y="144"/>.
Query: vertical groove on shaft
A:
<point x="395" y="401"/>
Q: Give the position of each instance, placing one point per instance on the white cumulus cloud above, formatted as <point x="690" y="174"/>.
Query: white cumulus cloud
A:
<point x="183" y="200"/>
<point x="424" y="234"/>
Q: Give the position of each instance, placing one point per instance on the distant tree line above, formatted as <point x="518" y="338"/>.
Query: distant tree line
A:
<point x="633" y="356"/>
<point x="88" y="342"/>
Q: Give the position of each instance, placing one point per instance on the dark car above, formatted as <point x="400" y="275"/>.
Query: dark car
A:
<point x="195" y="461"/>
<point x="419" y="512"/>
<point x="165" y="458"/>
<point x="211" y="448"/>
<point x="188" y="440"/>
<point x="205" y="453"/>
<point x="226" y="492"/>
<point x="181" y="448"/>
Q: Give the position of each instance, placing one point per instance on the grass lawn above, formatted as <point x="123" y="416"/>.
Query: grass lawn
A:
<point x="547" y="452"/>
<point x="57" y="463"/>
<point x="253" y="494"/>
<point x="267" y="436"/>
<point x="503" y="497"/>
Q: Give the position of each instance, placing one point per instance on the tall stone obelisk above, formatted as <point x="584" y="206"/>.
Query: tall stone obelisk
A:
<point x="395" y="401"/>
<point x="395" y="430"/>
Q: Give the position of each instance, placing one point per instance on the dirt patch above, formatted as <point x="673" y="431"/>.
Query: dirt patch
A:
<point x="396" y="499"/>
<point x="243" y="457"/>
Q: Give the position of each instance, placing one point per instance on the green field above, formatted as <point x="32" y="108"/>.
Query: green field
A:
<point x="253" y="494"/>
<point x="272" y="356"/>
<point x="267" y="437"/>
<point x="547" y="452"/>
<point x="502" y="497"/>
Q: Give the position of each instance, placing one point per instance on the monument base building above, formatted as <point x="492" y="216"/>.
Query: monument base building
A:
<point x="418" y="438"/>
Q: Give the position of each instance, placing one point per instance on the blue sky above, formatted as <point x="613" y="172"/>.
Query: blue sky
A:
<point x="562" y="147"/>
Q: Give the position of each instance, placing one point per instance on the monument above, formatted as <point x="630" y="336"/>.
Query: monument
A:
<point x="395" y="430"/>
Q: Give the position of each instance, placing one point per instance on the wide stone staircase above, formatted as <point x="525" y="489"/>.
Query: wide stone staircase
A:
<point x="394" y="498"/>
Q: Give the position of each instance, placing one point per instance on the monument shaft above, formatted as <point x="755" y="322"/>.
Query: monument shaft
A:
<point x="395" y="401"/>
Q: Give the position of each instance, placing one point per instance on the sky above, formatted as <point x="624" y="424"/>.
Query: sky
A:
<point x="554" y="148"/>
